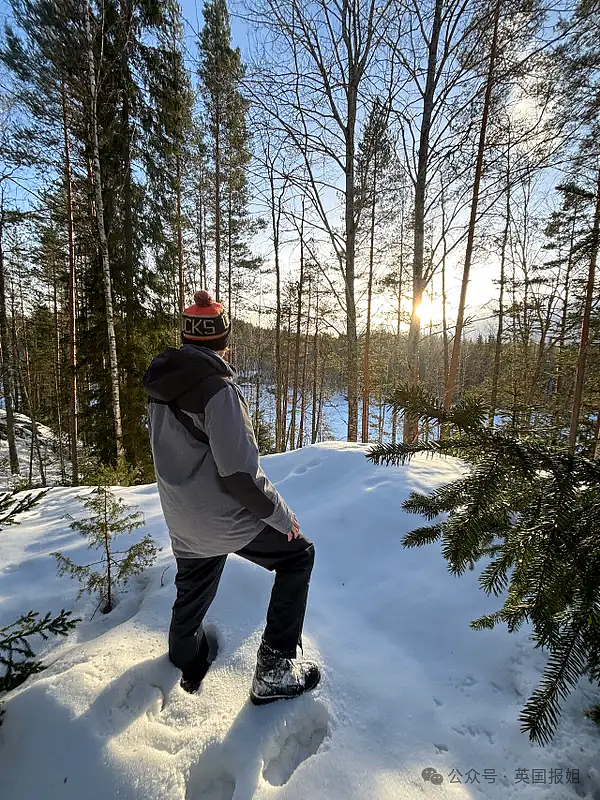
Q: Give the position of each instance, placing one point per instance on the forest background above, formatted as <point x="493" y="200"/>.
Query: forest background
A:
<point x="381" y="194"/>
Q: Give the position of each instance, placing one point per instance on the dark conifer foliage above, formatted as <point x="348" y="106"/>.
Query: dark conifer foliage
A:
<point x="220" y="72"/>
<point x="531" y="511"/>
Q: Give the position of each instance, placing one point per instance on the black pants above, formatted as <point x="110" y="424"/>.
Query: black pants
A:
<point x="197" y="581"/>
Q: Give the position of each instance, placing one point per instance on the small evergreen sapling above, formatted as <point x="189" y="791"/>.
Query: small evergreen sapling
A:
<point x="108" y="519"/>
<point x="534" y="511"/>
<point x="16" y="653"/>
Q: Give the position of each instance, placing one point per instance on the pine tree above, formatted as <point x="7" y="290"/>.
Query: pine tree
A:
<point x="374" y="155"/>
<point x="238" y="226"/>
<point x="168" y="121"/>
<point x="220" y="72"/>
<point x="106" y="521"/>
<point x="44" y="52"/>
<point x="593" y="246"/>
<point x="4" y="344"/>
<point x="533" y="510"/>
<point x="565" y="231"/>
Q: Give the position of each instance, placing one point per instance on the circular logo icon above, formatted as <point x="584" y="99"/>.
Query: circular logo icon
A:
<point x="432" y="775"/>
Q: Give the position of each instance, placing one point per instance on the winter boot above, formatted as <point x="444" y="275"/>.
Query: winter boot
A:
<point x="278" y="678"/>
<point x="194" y="673"/>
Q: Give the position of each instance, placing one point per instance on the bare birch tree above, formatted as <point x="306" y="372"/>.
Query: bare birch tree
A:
<point x="321" y="60"/>
<point x="451" y="377"/>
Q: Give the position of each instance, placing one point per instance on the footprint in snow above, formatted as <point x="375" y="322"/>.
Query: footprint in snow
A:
<point x="212" y="783"/>
<point x="303" y="740"/>
<point x="474" y="732"/>
<point x="274" y="740"/>
<point x="463" y="683"/>
<point x="301" y="469"/>
<point x="141" y="690"/>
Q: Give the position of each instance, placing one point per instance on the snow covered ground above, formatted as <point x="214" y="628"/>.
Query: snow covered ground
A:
<point x="48" y="442"/>
<point x="406" y="684"/>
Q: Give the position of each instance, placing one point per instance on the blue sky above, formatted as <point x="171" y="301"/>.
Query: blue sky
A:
<point x="192" y="14"/>
<point x="483" y="271"/>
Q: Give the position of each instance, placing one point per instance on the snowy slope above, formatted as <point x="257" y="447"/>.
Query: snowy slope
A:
<point x="48" y="442"/>
<point x="406" y="684"/>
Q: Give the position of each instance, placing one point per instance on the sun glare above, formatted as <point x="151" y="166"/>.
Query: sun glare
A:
<point x="430" y="312"/>
<point x="425" y="310"/>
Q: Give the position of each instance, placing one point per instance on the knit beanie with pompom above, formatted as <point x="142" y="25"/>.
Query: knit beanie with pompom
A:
<point x="205" y="323"/>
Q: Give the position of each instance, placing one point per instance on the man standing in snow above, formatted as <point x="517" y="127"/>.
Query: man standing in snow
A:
<point x="217" y="500"/>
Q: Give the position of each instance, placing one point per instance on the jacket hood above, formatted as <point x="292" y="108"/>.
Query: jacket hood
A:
<point x="176" y="370"/>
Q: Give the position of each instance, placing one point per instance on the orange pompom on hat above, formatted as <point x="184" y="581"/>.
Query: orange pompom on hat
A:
<point x="205" y="323"/>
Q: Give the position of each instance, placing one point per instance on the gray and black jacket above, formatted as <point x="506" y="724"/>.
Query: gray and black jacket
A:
<point x="215" y="497"/>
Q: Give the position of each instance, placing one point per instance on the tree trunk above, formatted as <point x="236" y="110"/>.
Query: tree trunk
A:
<point x="597" y="436"/>
<point x="29" y="390"/>
<point x="257" y="365"/>
<point x="35" y="443"/>
<point x="304" y="370"/>
<point x="275" y="222"/>
<point x="500" y="331"/>
<point x="585" y="324"/>
<point x="4" y="343"/>
<point x="398" y="324"/>
<point x="366" y="366"/>
<point x="286" y="377"/>
<point x="451" y="378"/>
<point x="97" y="178"/>
<point x="229" y="249"/>
<point x="563" y="328"/>
<point x="525" y="338"/>
<point x="179" y="234"/>
<point x="57" y="372"/>
<point x="298" y="332"/>
<point x="130" y="439"/>
<point x="321" y="392"/>
<point x="314" y="430"/>
<point x="411" y="422"/>
<point x="217" y="204"/>
<point x="381" y="421"/>
<point x="18" y="391"/>
<point x="349" y="273"/>
<point x="201" y="227"/>
<point x="445" y="340"/>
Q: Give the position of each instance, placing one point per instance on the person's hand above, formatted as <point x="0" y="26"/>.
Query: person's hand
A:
<point x="295" y="532"/>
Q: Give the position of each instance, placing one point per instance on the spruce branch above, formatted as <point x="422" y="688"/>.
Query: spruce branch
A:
<point x="16" y="652"/>
<point x="11" y="508"/>
<point x="533" y="510"/>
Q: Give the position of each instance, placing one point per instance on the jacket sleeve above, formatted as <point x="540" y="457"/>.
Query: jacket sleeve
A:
<point x="235" y="451"/>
